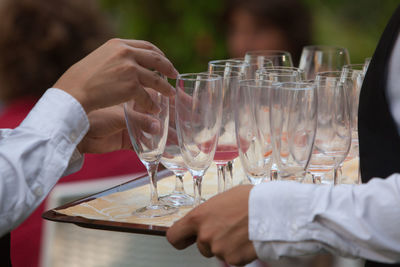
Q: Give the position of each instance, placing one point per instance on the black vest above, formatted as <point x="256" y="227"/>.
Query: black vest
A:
<point x="378" y="137"/>
<point x="5" y="259"/>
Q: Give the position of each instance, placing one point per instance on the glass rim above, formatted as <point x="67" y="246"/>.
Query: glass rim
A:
<point x="251" y="83"/>
<point x="288" y="72"/>
<point x="221" y="62"/>
<point x="324" y="47"/>
<point x="234" y="72"/>
<point x="323" y="74"/>
<point x="284" y="86"/>
<point x="350" y="66"/>
<point x="260" y="52"/>
<point x="193" y="76"/>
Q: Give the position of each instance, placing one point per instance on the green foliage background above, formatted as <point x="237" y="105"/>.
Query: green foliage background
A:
<point x="191" y="32"/>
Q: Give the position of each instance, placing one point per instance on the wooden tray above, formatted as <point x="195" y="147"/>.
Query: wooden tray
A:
<point x="149" y="229"/>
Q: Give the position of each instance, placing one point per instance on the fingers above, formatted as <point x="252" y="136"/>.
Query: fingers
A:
<point x="143" y="122"/>
<point x="153" y="60"/>
<point x="182" y="233"/>
<point x="151" y="79"/>
<point x="143" y="44"/>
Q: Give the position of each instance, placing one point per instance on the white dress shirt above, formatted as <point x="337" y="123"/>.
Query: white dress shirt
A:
<point x="291" y="219"/>
<point x="37" y="153"/>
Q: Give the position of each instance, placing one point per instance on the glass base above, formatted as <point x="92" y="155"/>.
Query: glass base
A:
<point x="177" y="200"/>
<point x="152" y="211"/>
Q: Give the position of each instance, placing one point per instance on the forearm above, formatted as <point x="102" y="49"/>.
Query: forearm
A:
<point x="35" y="155"/>
<point x="300" y="219"/>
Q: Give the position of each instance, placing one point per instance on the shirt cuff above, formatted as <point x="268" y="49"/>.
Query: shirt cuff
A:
<point x="57" y="105"/>
<point x="279" y="210"/>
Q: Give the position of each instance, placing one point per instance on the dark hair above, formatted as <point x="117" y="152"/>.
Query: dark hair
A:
<point x="40" y="39"/>
<point x="292" y="17"/>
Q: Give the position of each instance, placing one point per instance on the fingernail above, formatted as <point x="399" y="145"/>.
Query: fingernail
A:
<point x="154" y="127"/>
<point x="176" y="73"/>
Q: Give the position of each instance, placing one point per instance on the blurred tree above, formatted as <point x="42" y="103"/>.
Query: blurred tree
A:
<point x="191" y="32"/>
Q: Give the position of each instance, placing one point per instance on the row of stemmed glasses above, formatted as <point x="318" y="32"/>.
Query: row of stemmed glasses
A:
<point x="274" y="113"/>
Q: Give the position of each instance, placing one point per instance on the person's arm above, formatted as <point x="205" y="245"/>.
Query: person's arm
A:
<point x="289" y="219"/>
<point x="35" y="154"/>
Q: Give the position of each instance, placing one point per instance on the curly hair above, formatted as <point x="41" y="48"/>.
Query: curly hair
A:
<point x="40" y="39"/>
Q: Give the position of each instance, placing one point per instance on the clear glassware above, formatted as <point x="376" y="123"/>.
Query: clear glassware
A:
<point x="198" y="112"/>
<point x="301" y="73"/>
<point x="278" y="58"/>
<point x="227" y="147"/>
<point x="320" y="58"/>
<point x="229" y="65"/>
<point x="149" y="147"/>
<point x="280" y="74"/>
<point x="333" y="138"/>
<point x="366" y="64"/>
<point x="252" y="128"/>
<point x="353" y="76"/>
<point x="293" y="111"/>
<point x="255" y="65"/>
<point x="172" y="160"/>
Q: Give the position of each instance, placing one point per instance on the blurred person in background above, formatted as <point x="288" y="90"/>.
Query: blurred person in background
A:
<point x="39" y="41"/>
<point x="267" y="25"/>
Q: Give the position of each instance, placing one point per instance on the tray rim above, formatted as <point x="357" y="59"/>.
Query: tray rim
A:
<point x="53" y="215"/>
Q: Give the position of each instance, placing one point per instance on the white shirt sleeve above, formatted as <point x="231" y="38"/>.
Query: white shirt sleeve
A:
<point x="291" y="219"/>
<point x="37" y="153"/>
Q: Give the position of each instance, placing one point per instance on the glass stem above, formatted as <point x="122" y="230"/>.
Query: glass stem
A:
<point x="152" y="171"/>
<point x="229" y="175"/>
<point x="179" y="189"/>
<point x="221" y="178"/>
<point x="197" y="189"/>
<point x="336" y="175"/>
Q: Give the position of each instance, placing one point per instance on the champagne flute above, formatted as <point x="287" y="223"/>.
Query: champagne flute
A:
<point x="172" y="160"/>
<point x="293" y="111"/>
<point x="277" y="57"/>
<point x="320" y="58"/>
<point x="198" y="121"/>
<point x="300" y="72"/>
<point x="253" y="129"/>
<point x="280" y="74"/>
<point x="353" y="76"/>
<point x="333" y="138"/>
<point x="149" y="146"/>
<point x="255" y="65"/>
<point x="231" y="71"/>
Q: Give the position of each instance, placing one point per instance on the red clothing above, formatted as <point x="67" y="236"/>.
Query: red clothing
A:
<point x="25" y="239"/>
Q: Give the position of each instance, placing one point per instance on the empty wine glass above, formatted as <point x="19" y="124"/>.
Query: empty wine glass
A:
<point x="293" y="111"/>
<point x="229" y="65"/>
<point x="256" y="64"/>
<point x="198" y="120"/>
<point x="149" y="146"/>
<point x="172" y="160"/>
<point x="333" y="138"/>
<point x="301" y="73"/>
<point x="353" y="76"/>
<point x="252" y="128"/>
<point x="278" y="58"/>
<point x="320" y="58"/>
<point x="231" y="71"/>
<point x="280" y="74"/>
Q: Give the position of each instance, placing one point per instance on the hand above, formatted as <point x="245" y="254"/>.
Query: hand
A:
<point x="219" y="227"/>
<point x="108" y="131"/>
<point x="117" y="72"/>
